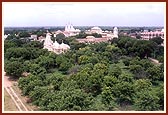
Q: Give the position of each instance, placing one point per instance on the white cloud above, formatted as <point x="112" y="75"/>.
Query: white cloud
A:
<point x="81" y="13"/>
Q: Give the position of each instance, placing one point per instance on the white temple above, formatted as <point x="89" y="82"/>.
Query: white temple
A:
<point x="115" y="32"/>
<point x="70" y="30"/>
<point x="55" y="47"/>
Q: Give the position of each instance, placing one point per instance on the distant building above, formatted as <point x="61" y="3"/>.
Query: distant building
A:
<point x="70" y="30"/>
<point x="92" y="40"/>
<point x="55" y="47"/>
<point x="106" y="36"/>
<point x="149" y="35"/>
<point x="115" y="32"/>
<point x="58" y="32"/>
<point x="96" y="30"/>
<point x="34" y="37"/>
<point x="5" y="36"/>
<point x="40" y="38"/>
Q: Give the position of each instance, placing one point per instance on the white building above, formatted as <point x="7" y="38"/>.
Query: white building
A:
<point x="55" y="47"/>
<point x="34" y="37"/>
<point x="96" y="30"/>
<point x="149" y="35"/>
<point x="105" y="34"/>
<point x="70" y="30"/>
<point x="115" y="32"/>
<point x="5" y="36"/>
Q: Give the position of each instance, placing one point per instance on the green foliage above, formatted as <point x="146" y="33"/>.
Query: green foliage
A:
<point x="155" y="74"/>
<point x="60" y="36"/>
<point x="73" y="100"/>
<point x="128" y="77"/>
<point x="35" y="69"/>
<point x="24" y="34"/>
<point x="107" y="95"/>
<point x="157" y="40"/>
<point x="138" y="71"/>
<point x="84" y="35"/>
<point x="161" y="59"/>
<point x="92" y="77"/>
<point x="114" y="70"/>
<point x="124" y="92"/>
<point x="14" y="68"/>
<point x="110" y="81"/>
<point x="160" y="94"/>
<point x="126" y="61"/>
<point x="45" y="61"/>
<point x="147" y="101"/>
<point x="16" y="53"/>
<point x="142" y="85"/>
<point x="98" y="104"/>
<point x="34" y="44"/>
<point x="29" y="83"/>
<point x="9" y="44"/>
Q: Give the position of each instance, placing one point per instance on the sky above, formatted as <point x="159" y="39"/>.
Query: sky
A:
<point x="83" y="14"/>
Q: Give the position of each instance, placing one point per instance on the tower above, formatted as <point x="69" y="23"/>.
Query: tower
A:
<point x="115" y="32"/>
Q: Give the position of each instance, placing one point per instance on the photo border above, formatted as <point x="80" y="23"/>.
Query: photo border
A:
<point x="129" y="112"/>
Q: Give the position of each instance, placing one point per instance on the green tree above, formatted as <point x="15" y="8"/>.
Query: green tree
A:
<point x="147" y="101"/>
<point x="14" y="68"/>
<point x="155" y="74"/>
<point x="138" y="71"/>
<point x="107" y="95"/>
<point x="114" y="70"/>
<point x="9" y="44"/>
<point x="123" y="92"/>
<point x="157" y="40"/>
<point x="110" y="81"/>
<point x="144" y="48"/>
<point x="142" y="85"/>
<point x="60" y="36"/>
<point x="24" y="34"/>
<point x="17" y="53"/>
<point x="36" y="69"/>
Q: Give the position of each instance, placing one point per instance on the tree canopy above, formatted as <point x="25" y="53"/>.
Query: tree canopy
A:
<point x="94" y="77"/>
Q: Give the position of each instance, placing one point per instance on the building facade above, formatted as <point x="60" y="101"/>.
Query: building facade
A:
<point x="55" y="47"/>
<point x="149" y="35"/>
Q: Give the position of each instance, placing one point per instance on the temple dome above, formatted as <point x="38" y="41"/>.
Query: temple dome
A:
<point x="64" y="46"/>
<point x="96" y="28"/>
<point x="56" y="45"/>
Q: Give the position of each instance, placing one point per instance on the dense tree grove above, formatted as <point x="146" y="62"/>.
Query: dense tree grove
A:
<point x="94" y="77"/>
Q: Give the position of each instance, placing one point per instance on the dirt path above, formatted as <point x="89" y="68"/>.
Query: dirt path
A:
<point x="155" y="61"/>
<point x="8" y="87"/>
<point x="7" y="83"/>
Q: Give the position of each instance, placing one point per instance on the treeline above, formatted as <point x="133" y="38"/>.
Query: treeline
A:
<point x="96" y="77"/>
<point x="141" y="48"/>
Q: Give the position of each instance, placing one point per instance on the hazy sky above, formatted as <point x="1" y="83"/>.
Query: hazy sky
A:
<point x="83" y="14"/>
